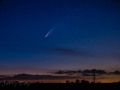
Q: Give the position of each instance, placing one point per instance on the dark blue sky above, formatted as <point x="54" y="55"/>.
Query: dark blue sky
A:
<point x="85" y="34"/>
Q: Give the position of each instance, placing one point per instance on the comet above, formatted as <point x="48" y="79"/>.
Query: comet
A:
<point x="48" y="33"/>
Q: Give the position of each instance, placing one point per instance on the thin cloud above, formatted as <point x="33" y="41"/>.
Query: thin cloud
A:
<point x="69" y="72"/>
<point x="85" y="53"/>
<point x="73" y="52"/>
<point x="83" y="73"/>
<point x="90" y="72"/>
<point x="116" y="72"/>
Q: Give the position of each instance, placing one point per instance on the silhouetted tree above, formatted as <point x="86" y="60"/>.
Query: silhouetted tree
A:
<point x="77" y="81"/>
<point x="67" y="81"/>
<point x="83" y="81"/>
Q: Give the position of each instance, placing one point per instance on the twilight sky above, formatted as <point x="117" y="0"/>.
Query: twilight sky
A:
<point x="43" y="35"/>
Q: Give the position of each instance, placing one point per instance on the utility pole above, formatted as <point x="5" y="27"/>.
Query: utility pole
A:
<point x="78" y="73"/>
<point x="94" y="75"/>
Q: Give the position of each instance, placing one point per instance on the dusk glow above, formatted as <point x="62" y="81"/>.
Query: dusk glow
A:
<point x="44" y="36"/>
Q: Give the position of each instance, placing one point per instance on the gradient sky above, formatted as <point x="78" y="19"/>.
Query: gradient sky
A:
<point x="83" y="34"/>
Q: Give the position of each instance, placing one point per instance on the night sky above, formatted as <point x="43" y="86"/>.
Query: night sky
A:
<point x="41" y="35"/>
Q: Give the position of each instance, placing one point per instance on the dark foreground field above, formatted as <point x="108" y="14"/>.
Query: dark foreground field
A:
<point x="59" y="86"/>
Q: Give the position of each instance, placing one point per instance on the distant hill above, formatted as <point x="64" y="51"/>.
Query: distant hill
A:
<point x="34" y="77"/>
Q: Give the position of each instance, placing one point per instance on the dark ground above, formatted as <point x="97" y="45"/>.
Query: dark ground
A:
<point x="59" y="86"/>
